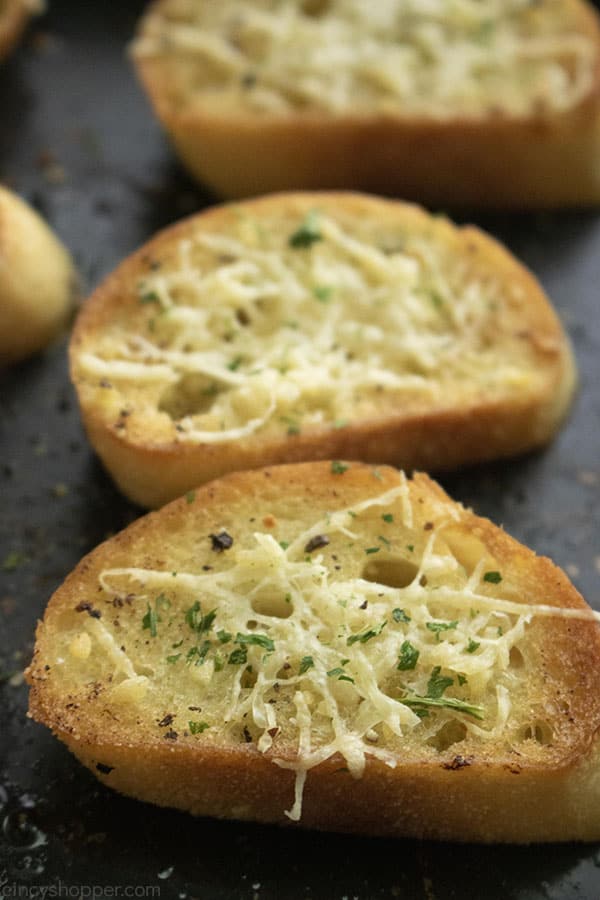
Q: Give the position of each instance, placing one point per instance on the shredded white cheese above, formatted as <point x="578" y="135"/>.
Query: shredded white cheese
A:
<point x="249" y="332"/>
<point x="438" y="58"/>
<point x="334" y="664"/>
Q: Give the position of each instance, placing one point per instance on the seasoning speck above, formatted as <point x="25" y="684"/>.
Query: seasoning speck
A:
<point x="221" y="541"/>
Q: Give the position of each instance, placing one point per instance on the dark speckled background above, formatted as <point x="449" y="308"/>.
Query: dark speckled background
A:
<point x="77" y="139"/>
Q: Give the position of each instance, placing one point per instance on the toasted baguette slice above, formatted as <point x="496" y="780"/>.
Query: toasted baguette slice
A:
<point x="493" y="104"/>
<point x="312" y="326"/>
<point x="335" y="645"/>
<point x="38" y="282"/>
<point x="14" y="16"/>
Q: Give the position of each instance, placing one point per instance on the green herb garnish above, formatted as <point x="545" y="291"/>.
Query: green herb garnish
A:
<point x="388" y="517"/>
<point x="338" y="468"/>
<point x="238" y="656"/>
<point x="197" y="621"/>
<point x="436" y="687"/>
<point x="370" y="550"/>
<point x="417" y="704"/>
<point x="152" y="618"/>
<point x="340" y="674"/>
<point x="173" y="659"/>
<point x="149" y="297"/>
<point x="323" y="293"/>
<point x="197" y="727"/>
<point x="190" y="496"/>
<point x="408" y="657"/>
<point x="472" y="646"/>
<point x="365" y="636"/>
<point x="306" y="663"/>
<point x="308" y="233"/>
<point x="398" y="615"/>
<point x="261" y="640"/>
<point x="438" y="627"/>
<point x="493" y="577"/>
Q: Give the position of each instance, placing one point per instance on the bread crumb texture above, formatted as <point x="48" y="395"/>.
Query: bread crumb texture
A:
<point x="268" y="324"/>
<point x="376" y="630"/>
<point x="438" y="59"/>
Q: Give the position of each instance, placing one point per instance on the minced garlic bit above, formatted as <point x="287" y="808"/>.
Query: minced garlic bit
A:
<point x="438" y="58"/>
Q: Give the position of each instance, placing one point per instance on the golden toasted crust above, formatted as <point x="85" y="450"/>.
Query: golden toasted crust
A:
<point x="14" y="16"/>
<point x="152" y="463"/>
<point x="37" y="280"/>
<point x="541" y="159"/>
<point x="475" y="787"/>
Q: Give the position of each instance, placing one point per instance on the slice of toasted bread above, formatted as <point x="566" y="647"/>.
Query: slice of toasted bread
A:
<point x="494" y="104"/>
<point x="336" y="645"/>
<point x="14" y="16"/>
<point x="312" y="326"/>
<point x="38" y="281"/>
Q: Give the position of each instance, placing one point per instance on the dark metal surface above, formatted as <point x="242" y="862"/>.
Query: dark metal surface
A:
<point x="78" y="140"/>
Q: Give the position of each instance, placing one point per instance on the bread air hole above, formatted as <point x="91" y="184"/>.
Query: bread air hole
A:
<point x="395" y="573"/>
<point x="537" y="731"/>
<point x="272" y="602"/>
<point x="516" y="659"/>
<point x="316" y="8"/>
<point x="192" y="395"/>
<point x="450" y="733"/>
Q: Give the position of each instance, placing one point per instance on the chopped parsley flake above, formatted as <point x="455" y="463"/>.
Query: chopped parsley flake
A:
<point x="472" y="646"/>
<point x="437" y="684"/>
<point x="438" y="627"/>
<point x="152" y="618"/>
<point x="417" y="704"/>
<point x="370" y="550"/>
<point x="436" y="688"/>
<point x="398" y="615"/>
<point x="306" y="663"/>
<point x="238" y="656"/>
<point x="149" y="297"/>
<point x="190" y="496"/>
<point x="388" y="517"/>
<point x="197" y="727"/>
<point x="340" y="674"/>
<point x="198" y="654"/>
<point x="493" y="577"/>
<point x="338" y="468"/>
<point x="173" y="659"/>
<point x="408" y="657"/>
<point x="308" y="233"/>
<point x="197" y="621"/>
<point x="235" y="363"/>
<point x="224" y="636"/>
<point x="323" y="293"/>
<point x="261" y="640"/>
<point x="365" y="636"/>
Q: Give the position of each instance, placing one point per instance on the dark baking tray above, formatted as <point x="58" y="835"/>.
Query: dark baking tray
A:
<point x="78" y="140"/>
